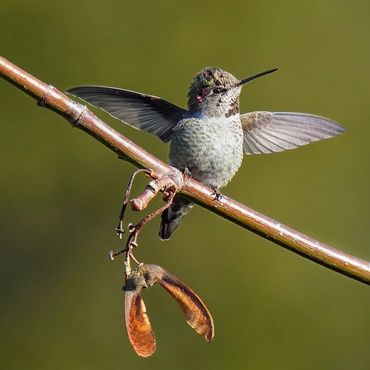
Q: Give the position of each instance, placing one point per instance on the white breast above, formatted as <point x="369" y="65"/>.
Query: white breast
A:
<point x="212" y="149"/>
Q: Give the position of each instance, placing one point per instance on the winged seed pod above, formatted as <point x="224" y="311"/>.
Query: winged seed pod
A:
<point x="139" y="330"/>
<point x="138" y="326"/>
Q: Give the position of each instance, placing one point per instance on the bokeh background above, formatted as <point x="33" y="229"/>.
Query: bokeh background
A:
<point x="60" y="190"/>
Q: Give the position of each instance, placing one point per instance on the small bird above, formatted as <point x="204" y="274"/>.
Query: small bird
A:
<point x="208" y="140"/>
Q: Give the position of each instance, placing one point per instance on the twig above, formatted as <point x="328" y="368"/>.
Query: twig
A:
<point x="135" y="230"/>
<point x="238" y="213"/>
<point x="168" y="184"/>
<point x="119" y="229"/>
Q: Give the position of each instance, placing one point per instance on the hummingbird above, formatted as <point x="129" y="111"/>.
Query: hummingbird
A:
<point x="208" y="139"/>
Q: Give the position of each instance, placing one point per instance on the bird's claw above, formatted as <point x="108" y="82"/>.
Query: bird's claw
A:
<point x="216" y="194"/>
<point x="187" y="172"/>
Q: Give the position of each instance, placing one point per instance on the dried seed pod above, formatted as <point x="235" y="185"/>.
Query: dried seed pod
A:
<point x="138" y="326"/>
<point x="196" y="312"/>
<point x="139" y="330"/>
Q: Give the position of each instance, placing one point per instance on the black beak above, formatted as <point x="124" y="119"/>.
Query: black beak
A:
<point x="244" y="80"/>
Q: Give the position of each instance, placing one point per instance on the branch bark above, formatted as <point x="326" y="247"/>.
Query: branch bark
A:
<point x="79" y="116"/>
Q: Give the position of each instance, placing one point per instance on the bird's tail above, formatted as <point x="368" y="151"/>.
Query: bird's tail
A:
<point x="172" y="216"/>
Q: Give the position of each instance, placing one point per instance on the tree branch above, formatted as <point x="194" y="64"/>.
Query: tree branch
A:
<point x="80" y="117"/>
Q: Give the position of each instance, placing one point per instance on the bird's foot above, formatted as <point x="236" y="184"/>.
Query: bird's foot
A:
<point x="187" y="172"/>
<point x="216" y="193"/>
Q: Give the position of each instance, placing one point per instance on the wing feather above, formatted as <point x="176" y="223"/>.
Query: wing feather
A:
<point x="267" y="132"/>
<point x="145" y="112"/>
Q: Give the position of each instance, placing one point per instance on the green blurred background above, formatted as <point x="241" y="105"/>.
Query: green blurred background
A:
<point x="60" y="190"/>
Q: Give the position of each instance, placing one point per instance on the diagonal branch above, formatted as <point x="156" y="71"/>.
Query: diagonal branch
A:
<point x="80" y="117"/>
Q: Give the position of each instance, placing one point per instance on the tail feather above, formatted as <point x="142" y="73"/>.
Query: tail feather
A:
<point x="172" y="216"/>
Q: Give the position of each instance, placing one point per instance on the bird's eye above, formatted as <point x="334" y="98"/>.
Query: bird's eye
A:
<point x="217" y="90"/>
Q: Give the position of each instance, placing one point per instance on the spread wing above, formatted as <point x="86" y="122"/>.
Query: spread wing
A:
<point x="145" y="112"/>
<point x="267" y="132"/>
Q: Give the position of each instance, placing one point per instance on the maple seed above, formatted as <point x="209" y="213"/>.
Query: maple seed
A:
<point x="137" y="322"/>
<point x="196" y="312"/>
<point x="139" y="330"/>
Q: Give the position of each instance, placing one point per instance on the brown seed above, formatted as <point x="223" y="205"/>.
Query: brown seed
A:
<point x="139" y="330"/>
<point x="196" y="312"/>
